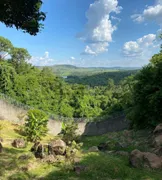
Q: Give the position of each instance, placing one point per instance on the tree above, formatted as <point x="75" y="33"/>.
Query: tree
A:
<point x="36" y="125"/>
<point x="146" y="110"/>
<point x="23" y="14"/>
<point x="5" y="47"/>
<point x="19" y="58"/>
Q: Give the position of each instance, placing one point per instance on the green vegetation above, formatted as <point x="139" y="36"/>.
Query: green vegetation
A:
<point x="146" y="95"/>
<point x="100" y="79"/>
<point x="36" y="125"/>
<point x="22" y="14"/>
<point x="42" y="89"/>
<point x="21" y="164"/>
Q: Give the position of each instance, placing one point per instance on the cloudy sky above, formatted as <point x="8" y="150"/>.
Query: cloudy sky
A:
<point x="94" y="33"/>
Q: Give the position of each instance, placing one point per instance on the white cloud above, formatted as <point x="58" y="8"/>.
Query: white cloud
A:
<point x="150" y="13"/>
<point x="141" y="47"/>
<point x="72" y="58"/>
<point x="42" y="61"/>
<point x="99" y="28"/>
<point x="115" y="18"/>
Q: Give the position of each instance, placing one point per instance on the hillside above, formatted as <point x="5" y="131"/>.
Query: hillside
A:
<point x="70" y="70"/>
<point x="100" y="79"/>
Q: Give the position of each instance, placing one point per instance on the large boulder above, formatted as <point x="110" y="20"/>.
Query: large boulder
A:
<point x="149" y="160"/>
<point x="57" y="147"/>
<point x="157" y="142"/>
<point x="136" y="158"/>
<point x="158" y="130"/>
<point x="19" y="143"/>
<point x="152" y="161"/>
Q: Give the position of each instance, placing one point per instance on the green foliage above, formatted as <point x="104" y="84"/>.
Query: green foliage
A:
<point x="69" y="131"/>
<point x="23" y="14"/>
<point x="5" y="47"/>
<point x="36" y="125"/>
<point x="146" y="108"/>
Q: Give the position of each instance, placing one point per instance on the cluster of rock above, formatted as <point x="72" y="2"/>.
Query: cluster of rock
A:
<point x="151" y="160"/>
<point x="53" y="152"/>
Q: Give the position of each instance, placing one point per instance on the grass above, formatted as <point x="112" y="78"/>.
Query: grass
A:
<point x="100" y="166"/>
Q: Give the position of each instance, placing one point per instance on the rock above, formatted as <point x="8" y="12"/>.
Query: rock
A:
<point x="145" y="160"/>
<point x="57" y="147"/>
<point x="157" y="141"/>
<point x="39" y="153"/>
<point x="50" y="159"/>
<point x="19" y="143"/>
<point x="158" y="151"/>
<point x="80" y="168"/>
<point x="1" y="148"/>
<point x="158" y="130"/>
<point x="152" y="161"/>
<point x="35" y="146"/>
<point x="136" y="158"/>
<point x="103" y="147"/>
<point x="93" y="149"/>
<point x="122" y="153"/>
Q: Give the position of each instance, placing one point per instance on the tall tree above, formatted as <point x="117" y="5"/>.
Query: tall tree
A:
<point x="5" y="47"/>
<point x="23" y="14"/>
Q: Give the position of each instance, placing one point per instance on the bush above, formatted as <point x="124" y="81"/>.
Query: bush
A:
<point x="36" y="125"/>
<point x="69" y="131"/>
<point x="146" y="110"/>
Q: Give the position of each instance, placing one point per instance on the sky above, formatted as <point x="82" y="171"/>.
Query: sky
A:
<point x="94" y="33"/>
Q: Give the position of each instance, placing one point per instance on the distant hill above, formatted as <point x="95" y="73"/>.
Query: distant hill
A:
<point x="70" y="70"/>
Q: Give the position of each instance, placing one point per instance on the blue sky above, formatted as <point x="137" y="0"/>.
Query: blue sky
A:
<point x="94" y="33"/>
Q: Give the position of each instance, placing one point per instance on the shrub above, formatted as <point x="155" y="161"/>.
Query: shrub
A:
<point x="69" y="131"/>
<point x="36" y="125"/>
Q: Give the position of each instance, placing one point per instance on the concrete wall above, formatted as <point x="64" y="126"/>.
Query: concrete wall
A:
<point x="93" y="128"/>
<point x="11" y="113"/>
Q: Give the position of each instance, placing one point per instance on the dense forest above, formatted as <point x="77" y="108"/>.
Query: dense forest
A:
<point x="100" y="79"/>
<point x="138" y="95"/>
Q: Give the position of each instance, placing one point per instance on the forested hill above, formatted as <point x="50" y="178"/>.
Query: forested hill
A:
<point x="70" y="70"/>
<point x="100" y="79"/>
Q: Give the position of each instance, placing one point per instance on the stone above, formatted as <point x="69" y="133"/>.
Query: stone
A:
<point x="1" y="148"/>
<point x="39" y="153"/>
<point x="57" y="147"/>
<point x="145" y="160"/>
<point x="93" y="149"/>
<point x="19" y="143"/>
<point x="157" y="141"/>
<point x="35" y="146"/>
<point x="152" y="161"/>
<point x="158" y="151"/>
<point x="136" y="158"/>
<point x="158" y="130"/>
<point x="80" y="168"/>
<point x="122" y="153"/>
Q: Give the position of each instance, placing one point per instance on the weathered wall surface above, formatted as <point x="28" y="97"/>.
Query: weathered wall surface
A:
<point x="11" y="113"/>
